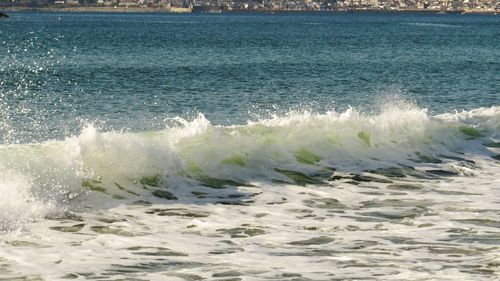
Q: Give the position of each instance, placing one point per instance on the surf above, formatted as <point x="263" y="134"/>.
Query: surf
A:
<point x="300" y="147"/>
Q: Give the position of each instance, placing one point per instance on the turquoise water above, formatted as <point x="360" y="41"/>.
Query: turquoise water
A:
<point x="135" y="70"/>
<point x="249" y="147"/>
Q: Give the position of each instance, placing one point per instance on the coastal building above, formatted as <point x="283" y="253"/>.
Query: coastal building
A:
<point x="457" y="6"/>
<point x="107" y="2"/>
<point x="128" y="3"/>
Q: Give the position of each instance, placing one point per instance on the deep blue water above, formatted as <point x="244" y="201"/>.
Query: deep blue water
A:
<point x="133" y="71"/>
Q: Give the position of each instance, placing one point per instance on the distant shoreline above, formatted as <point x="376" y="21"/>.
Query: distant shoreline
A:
<point x="173" y="10"/>
<point x="90" y="10"/>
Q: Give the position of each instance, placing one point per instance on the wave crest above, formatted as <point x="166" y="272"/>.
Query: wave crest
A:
<point x="280" y="148"/>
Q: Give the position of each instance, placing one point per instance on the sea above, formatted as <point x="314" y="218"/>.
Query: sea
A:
<point x="253" y="146"/>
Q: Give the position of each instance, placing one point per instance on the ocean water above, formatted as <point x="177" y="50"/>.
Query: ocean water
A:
<point x="249" y="147"/>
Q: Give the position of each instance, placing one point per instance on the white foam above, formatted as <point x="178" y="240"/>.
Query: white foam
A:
<point x="17" y="204"/>
<point x="349" y="141"/>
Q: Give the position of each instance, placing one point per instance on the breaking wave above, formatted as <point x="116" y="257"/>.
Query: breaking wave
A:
<point x="298" y="148"/>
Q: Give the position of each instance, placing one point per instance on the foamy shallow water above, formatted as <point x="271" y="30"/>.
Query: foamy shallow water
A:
<point x="398" y="195"/>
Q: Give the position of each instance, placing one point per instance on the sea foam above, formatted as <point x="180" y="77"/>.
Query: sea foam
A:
<point x="281" y="148"/>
